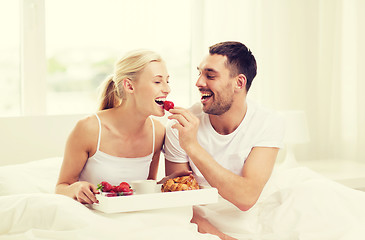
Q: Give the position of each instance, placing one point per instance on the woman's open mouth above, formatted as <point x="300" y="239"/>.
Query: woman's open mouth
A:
<point x="160" y="101"/>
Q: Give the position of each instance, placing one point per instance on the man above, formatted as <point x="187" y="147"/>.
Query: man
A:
<point x="226" y="141"/>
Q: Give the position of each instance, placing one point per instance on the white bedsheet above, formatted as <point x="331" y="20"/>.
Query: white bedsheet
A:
<point x="30" y="210"/>
<point x="295" y="204"/>
<point x="52" y="216"/>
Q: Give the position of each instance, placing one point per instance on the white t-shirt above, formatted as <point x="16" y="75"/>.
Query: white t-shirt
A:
<point x="260" y="128"/>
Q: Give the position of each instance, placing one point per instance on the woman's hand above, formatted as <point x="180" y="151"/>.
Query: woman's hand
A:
<point x="85" y="192"/>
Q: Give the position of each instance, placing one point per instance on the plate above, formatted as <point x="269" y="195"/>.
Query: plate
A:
<point x="139" y="202"/>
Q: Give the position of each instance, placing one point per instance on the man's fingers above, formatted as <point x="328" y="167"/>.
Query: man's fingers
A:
<point x="177" y="126"/>
<point x="182" y="111"/>
<point x="181" y="173"/>
<point x="180" y="118"/>
<point x="175" y="174"/>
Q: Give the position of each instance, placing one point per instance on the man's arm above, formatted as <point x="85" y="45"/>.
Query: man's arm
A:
<point x="243" y="191"/>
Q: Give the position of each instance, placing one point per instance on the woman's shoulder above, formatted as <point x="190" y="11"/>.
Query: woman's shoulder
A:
<point x="86" y="126"/>
<point x="84" y="134"/>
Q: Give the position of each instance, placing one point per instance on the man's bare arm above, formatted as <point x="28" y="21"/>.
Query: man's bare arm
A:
<point x="243" y="191"/>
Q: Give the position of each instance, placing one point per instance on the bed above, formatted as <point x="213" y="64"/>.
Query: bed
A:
<point x="297" y="203"/>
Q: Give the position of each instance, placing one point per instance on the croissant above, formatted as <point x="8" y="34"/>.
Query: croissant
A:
<point x="183" y="183"/>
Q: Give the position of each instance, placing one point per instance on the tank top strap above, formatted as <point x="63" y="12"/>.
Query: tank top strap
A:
<point x="97" y="148"/>
<point x="153" y="135"/>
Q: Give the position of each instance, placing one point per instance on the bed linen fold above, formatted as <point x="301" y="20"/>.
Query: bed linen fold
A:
<point x="53" y="216"/>
<point x="296" y="203"/>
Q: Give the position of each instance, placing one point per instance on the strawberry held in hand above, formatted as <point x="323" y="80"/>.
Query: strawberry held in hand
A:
<point x="167" y="105"/>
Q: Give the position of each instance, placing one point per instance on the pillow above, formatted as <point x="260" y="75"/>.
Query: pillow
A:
<point x="38" y="176"/>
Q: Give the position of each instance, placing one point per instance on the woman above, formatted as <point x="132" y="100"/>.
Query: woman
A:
<point x="121" y="142"/>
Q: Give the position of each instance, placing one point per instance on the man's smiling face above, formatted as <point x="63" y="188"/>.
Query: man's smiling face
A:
<point x="215" y="85"/>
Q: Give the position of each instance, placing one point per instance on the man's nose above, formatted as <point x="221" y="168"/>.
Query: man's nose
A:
<point x="200" y="82"/>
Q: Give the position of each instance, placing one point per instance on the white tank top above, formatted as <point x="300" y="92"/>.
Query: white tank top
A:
<point x="104" y="167"/>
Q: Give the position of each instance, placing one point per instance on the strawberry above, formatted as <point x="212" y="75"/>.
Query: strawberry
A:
<point x="105" y="186"/>
<point x="118" y="189"/>
<point x="167" y="105"/>
<point x="125" y="187"/>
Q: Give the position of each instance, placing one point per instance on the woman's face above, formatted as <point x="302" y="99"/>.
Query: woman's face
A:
<point x="152" y="88"/>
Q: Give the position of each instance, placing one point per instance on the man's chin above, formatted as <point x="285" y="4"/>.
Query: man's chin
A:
<point x="208" y="110"/>
<point x="205" y="108"/>
<point x="214" y="111"/>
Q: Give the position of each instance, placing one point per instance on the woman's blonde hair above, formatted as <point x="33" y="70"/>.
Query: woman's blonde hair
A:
<point x="129" y="67"/>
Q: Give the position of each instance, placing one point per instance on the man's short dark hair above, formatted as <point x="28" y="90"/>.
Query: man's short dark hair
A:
<point x="239" y="59"/>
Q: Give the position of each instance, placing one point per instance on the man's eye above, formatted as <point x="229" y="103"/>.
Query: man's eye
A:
<point x="210" y="76"/>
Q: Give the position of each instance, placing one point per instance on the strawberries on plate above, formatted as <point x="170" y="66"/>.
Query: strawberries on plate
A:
<point x="123" y="189"/>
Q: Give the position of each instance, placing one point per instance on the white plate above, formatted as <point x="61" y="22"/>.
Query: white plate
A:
<point x="157" y="200"/>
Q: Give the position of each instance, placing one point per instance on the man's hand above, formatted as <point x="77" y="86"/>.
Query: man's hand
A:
<point x="175" y="174"/>
<point x="187" y="125"/>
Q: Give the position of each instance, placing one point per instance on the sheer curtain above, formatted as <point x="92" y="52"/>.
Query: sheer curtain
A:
<point x="310" y="57"/>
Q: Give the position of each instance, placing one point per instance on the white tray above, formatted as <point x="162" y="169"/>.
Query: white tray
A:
<point x="140" y="202"/>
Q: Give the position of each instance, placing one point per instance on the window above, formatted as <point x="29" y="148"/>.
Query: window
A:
<point x="9" y="59"/>
<point x="84" y="38"/>
<point x="54" y="54"/>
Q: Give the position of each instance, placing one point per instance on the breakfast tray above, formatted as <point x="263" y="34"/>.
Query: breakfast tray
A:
<point x="139" y="202"/>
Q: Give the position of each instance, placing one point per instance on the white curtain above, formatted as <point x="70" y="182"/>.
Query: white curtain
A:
<point x="311" y="57"/>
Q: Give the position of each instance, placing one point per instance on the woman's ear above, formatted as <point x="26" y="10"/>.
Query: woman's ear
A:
<point x="127" y="85"/>
<point x="241" y="82"/>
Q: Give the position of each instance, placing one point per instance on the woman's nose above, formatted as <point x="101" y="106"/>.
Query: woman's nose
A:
<point x="166" y="88"/>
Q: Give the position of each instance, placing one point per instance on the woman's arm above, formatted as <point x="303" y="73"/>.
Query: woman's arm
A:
<point x="154" y="166"/>
<point x="75" y="156"/>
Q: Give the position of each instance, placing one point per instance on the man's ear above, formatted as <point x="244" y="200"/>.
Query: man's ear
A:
<point x="241" y="81"/>
<point x="127" y="85"/>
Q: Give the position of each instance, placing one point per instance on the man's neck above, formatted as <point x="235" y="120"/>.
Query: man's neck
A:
<point x="229" y="121"/>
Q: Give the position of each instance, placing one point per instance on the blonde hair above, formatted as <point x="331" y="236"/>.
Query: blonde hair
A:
<point x="129" y="67"/>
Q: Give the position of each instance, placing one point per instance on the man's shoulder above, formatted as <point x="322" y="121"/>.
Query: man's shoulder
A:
<point x="262" y="116"/>
<point x="261" y="111"/>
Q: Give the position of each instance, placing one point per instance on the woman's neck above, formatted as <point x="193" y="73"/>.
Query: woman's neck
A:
<point x="127" y="119"/>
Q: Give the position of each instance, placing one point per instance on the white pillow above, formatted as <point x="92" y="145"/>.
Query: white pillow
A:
<point x="38" y="176"/>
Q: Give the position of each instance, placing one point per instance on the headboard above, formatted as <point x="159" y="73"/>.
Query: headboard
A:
<point x="23" y="139"/>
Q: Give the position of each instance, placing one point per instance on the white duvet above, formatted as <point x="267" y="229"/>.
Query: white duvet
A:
<point x="51" y="216"/>
<point x="295" y="204"/>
